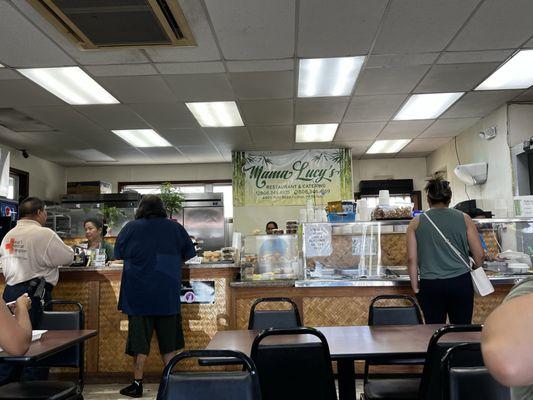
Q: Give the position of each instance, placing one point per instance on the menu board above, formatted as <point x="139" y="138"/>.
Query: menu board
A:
<point x="317" y="240"/>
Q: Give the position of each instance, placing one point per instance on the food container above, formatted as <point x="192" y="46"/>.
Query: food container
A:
<point x="518" y="268"/>
<point x="348" y="206"/>
<point x="399" y="211"/>
<point x="334" y="207"/>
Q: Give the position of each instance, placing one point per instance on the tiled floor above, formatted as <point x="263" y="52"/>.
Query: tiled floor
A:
<point x="110" y="392"/>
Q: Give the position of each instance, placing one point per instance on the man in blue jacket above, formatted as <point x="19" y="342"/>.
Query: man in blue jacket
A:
<point x="153" y="249"/>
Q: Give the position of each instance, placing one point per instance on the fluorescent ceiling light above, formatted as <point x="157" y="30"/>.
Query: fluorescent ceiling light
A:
<point x="90" y="155"/>
<point x="324" y="77"/>
<point x="1" y="66"/>
<point x="387" y="146"/>
<point x="70" y="84"/>
<point x="216" y="114"/>
<point x="142" y="137"/>
<point x="315" y="133"/>
<point x="517" y="73"/>
<point x="427" y="106"/>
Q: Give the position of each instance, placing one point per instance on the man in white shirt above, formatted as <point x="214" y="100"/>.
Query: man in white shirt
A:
<point x="31" y="254"/>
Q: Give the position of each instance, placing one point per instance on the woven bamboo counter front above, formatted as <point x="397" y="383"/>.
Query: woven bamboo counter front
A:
<point x="98" y="291"/>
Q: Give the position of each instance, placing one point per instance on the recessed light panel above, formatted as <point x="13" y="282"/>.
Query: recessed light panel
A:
<point x="91" y="155"/>
<point x="315" y="133"/>
<point x="325" y="77"/>
<point x="427" y="106"/>
<point x="70" y="84"/>
<point x="387" y="146"/>
<point x="216" y="114"/>
<point x="142" y="137"/>
<point x="517" y="73"/>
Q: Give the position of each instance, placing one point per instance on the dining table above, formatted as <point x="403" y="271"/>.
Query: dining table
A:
<point x="348" y="344"/>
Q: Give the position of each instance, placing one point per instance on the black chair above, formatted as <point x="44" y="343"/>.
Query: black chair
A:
<point x="294" y="368"/>
<point x="210" y="385"/>
<point x="469" y="383"/>
<point x="430" y="386"/>
<point x="280" y="319"/>
<point x="394" y="315"/>
<point x="72" y="357"/>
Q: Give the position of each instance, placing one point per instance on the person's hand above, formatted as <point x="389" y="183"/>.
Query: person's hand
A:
<point x="416" y="290"/>
<point x="23" y="303"/>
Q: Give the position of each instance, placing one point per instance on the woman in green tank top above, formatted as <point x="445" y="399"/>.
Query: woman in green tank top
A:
<point x="445" y="288"/>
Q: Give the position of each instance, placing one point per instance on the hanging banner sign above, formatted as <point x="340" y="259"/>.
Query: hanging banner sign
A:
<point x="291" y="178"/>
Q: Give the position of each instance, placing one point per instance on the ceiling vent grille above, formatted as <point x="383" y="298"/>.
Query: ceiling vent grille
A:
<point x="95" y="24"/>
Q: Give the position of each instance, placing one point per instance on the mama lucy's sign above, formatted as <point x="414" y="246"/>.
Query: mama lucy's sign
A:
<point x="290" y="178"/>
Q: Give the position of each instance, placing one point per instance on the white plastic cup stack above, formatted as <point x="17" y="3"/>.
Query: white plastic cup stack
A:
<point x="384" y="198"/>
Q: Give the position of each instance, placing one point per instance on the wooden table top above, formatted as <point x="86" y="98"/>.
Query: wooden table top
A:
<point x="50" y="343"/>
<point x="354" y="342"/>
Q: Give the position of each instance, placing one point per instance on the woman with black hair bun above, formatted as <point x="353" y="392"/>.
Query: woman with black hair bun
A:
<point x="445" y="288"/>
<point x="95" y="232"/>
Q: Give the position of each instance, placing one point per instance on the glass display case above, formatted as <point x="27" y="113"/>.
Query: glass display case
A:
<point x="268" y="257"/>
<point x="378" y="249"/>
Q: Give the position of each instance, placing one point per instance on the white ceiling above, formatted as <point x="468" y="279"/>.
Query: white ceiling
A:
<point x="247" y="52"/>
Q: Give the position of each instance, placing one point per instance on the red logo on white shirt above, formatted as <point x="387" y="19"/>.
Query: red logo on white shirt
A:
<point x="10" y="246"/>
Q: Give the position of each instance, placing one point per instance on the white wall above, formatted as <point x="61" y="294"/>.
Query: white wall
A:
<point x="47" y="179"/>
<point x="520" y="123"/>
<point x="471" y="149"/>
<point x="139" y="173"/>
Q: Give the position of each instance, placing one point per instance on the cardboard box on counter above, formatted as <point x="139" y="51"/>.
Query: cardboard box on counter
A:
<point x="90" y="187"/>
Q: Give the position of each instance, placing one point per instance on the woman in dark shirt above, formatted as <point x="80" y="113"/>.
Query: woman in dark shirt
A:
<point x="153" y="249"/>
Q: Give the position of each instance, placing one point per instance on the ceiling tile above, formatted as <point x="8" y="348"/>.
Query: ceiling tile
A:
<point x="201" y="154"/>
<point x="229" y="137"/>
<point x="206" y="48"/>
<point x="254" y="29"/>
<point x="358" y="147"/>
<point x="19" y="121"/>
<point x="394" y="80"/>
<point x="22" y="92"/>
<point x="358" y="131"/>
<point x="401" y="60"/>
<point x="497" y="24"/>
<point x="207" y="67"/>
<point x="318" y="111"/>
<point x="307" y="146"/>
<point x="105" y="140"/>
<point x="423" y="145"/>
<point x="59" y="140"/>
<point x="185" y="137"/>
<point x="200" y="87"/>
<point x="448" y="127"/>
<point x="113" y="116"/>
<point x="23" y="45"/>
<point x="414" y="154"/>
<point x="328" y="29"/>
<point x="63" y="118"/>
<point x="455" y="77"/>
<point x="404" y="129"/>
<point x="262" y="85"/>
<point x="272" y="134"/>
<point x="457" y="57"/>
<point x="373" y="108"/>
<point x="138" y="89"/>
<point x="260" y="65"/>
<point x="164" y="154"/>
<point x="479" y="104"/>
<point x="121" y="70"/>
<point x="414" y="26"/>
<point x="166" y="115"/>
<point x="526" y="96"/>
<point x="128" y="155"/>
<point x="267" y="112"/>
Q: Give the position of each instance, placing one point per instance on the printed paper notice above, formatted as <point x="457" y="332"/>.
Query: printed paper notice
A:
<point x="317" y="240"/>
<point x="364" y="246"/>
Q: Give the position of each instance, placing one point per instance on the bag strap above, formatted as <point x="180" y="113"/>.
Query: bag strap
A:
<point x="452" y="247"/>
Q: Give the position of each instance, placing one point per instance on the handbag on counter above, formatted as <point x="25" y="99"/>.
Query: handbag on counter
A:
<point x="480" y="280"/>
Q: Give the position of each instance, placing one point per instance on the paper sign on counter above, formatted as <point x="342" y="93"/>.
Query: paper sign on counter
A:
<point x="317" y="240"/>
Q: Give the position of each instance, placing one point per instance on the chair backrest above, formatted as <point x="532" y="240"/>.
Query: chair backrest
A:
<point x="65" y="320"/>
<point x="469" y="383"/>
<point x="394" y="315"/>
<point x="432" y="386"/>
<point x="295" y="369"/>
<point x="210" y="385"/>
<point x="280" y="319"/>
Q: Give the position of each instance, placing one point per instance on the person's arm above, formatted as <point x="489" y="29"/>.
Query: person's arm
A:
<point x="188" y="251"/>
<point x="57" y="253"/>
<point x="15" y="332"/>
<point x="506" y="342"/>
<point x="474" y="241"/>
<point x="412" y="254"/>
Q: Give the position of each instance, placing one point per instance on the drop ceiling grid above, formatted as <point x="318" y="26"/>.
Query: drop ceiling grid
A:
<point x="249" y="72"/>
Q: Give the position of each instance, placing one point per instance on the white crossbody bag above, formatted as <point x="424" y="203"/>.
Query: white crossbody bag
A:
<point x="480" y="280"/>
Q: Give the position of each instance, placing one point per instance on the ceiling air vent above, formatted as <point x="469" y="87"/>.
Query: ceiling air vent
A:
<point x="94" y="24"/>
